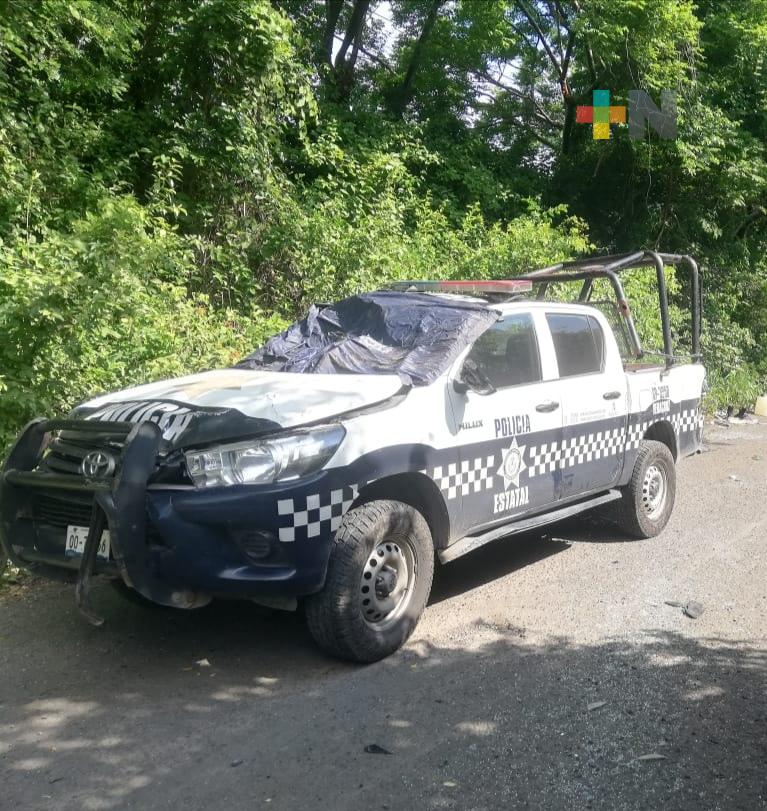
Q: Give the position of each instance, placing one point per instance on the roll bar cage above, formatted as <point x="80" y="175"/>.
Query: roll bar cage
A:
<point x="608" y="267"/>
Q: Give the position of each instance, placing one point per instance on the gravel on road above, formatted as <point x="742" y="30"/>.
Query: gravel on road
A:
<point x="548" y="672"/>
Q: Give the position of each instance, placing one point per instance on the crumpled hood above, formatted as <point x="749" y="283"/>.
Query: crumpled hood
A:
<point x="237" y="402"/>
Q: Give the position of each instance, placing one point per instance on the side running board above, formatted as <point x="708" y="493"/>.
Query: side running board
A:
<point x="472" y="542"/>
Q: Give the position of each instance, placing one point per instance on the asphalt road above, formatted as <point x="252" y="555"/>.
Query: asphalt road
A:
<point x="486" y="708"/>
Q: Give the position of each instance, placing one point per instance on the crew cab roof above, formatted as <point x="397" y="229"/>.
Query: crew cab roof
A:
<point x="518" y="302"/>
<point x="533" y="304"/>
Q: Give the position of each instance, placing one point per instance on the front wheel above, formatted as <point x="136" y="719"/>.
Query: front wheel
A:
<point x="648" y="498"/>
<point x="378" y="581"/>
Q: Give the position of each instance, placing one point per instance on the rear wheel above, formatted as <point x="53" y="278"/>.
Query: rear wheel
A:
<point x="378" y="581"/>
<point x="648" y="499"/>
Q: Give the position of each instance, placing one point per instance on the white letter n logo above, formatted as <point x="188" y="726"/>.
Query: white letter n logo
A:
<point x="642" y="111"/>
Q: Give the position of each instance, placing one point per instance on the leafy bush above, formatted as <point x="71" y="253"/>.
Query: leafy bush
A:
<point x="105" y="307"/>
<point x="737" y="389"/>
<point x="333" y="252"/>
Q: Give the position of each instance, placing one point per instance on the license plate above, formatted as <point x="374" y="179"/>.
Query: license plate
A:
<point x="76" y="537"/>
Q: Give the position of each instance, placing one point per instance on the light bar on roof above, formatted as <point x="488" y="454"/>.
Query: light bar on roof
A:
<point x="467" y="286"/>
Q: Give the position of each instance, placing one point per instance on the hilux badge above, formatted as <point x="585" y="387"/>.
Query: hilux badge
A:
<point x="513" y="464"/>
<point x="97" y="465"/>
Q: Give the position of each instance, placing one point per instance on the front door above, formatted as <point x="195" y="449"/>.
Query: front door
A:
<point x="503" y="429"/>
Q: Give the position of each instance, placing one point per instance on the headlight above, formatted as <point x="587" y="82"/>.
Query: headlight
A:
<point x="270" y="460"/>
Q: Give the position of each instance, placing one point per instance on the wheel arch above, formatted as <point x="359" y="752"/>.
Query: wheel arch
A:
<point x="418" y="491"/>
<point x="663" y="431"/>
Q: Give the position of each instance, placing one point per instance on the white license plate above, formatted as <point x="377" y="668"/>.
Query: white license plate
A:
<point x="76" y="537"/>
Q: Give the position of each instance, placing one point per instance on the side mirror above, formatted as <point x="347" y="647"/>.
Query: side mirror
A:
<point x="472" y="377"/>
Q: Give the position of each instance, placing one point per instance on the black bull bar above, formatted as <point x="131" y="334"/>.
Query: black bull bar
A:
<point x="119" y="503"/>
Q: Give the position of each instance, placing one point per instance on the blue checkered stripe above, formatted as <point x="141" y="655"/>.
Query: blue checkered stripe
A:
<point x="551" y="456"/>
<point x="635" y="432"/>
<point x="462" y="478"/>
<point x="683" y="422"/>
<point x="315" y="514"/>
<point x="690" y="419"/>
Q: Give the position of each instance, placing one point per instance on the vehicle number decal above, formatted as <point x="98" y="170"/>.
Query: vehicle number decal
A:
<point x="661" y="400"/>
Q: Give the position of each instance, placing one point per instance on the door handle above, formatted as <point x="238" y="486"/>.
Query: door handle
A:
<point x="611" y="395"/>
<point x="549" y="405"/>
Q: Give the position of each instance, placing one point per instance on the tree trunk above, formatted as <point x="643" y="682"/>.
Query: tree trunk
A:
<point x="404" y="92"/>
<point x="567" y="129"/>
<point x="353" y="30"/>
<point x="344" y="68"/>
<point x="332" y="13"/>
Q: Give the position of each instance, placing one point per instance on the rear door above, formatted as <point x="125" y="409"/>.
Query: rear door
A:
<point x="500" y="430"/>
<point x="593" y="392"/>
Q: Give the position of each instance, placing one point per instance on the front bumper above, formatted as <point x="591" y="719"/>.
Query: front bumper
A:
<point x="171" y="544"/>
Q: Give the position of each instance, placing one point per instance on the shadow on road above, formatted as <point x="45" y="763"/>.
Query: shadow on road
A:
<point x="491" y="562"/>
<point x="505" y="556"/>
<point x="164" y="709"/>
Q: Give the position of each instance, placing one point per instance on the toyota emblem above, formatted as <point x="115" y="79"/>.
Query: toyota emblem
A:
<point x="97" y="465"/>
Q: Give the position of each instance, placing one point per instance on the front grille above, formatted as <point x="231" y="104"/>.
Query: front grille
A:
<point x="67" y="449"/>
<point x="71" y="511"/>
<point x="57" y="512"/>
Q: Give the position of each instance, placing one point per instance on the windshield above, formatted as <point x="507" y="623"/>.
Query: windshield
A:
<point x="414" y="335"/>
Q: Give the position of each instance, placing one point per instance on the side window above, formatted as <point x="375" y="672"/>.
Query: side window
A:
<point x="507" y="354"/>
<point x="578" y="342"/>
<point x="599" y="340"/>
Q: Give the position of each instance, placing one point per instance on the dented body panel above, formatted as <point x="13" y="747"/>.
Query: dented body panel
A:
<point x="282" y="398"/>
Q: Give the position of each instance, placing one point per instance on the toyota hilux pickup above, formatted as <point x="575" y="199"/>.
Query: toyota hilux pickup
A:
<point x="333" y="465"/>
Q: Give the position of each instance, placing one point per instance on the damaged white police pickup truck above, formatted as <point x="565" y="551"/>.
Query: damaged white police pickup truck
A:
<point x="333" y="464"/>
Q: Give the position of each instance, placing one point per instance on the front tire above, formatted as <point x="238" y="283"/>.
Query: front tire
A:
<point x="648" y="499"/>
<point x="378" y="581"/>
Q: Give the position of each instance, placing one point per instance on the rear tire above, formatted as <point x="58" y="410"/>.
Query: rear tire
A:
<point x="648" y="499"/>
<point x="378" y="581"/>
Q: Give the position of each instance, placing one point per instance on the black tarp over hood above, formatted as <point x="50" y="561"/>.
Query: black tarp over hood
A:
<point x="414" y="335"/>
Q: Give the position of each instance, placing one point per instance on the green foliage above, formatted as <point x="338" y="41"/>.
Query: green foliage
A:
<point x="95" y="310"/>
<point x="181" y="177"/>
<point x="339" y="243"/>
<point x="738" y="389"/>
<point x="653" y="43"/>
